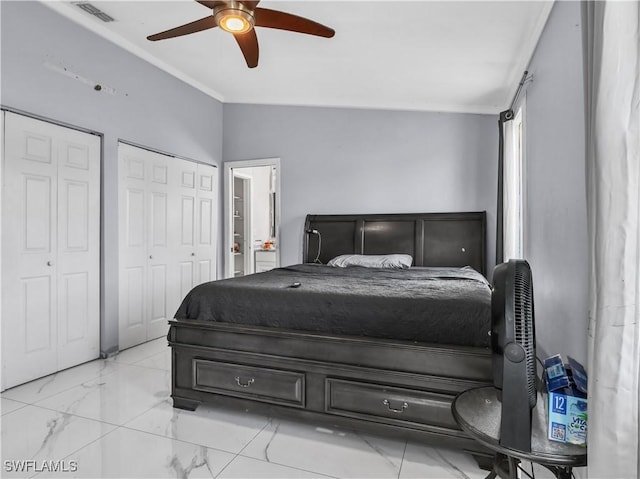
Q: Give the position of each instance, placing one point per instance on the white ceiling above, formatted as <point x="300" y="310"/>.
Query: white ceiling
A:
<point x="406" y="55"/>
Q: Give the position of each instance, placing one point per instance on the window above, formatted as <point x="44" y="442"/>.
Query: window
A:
<point x="513" y="202"/>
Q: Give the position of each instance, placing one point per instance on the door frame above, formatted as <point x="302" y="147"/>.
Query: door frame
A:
<point x="247" y="218"/>
<point x="228" y="206"/>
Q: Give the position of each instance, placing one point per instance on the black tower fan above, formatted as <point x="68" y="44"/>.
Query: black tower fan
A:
<point x="514" y="351"/>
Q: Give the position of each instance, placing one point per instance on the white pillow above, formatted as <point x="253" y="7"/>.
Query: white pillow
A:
<point x="391" y="261"/>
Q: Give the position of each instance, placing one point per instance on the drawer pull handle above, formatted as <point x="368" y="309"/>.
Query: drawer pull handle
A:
<point x="246" y="385"/>
<point x="400" y="411"/>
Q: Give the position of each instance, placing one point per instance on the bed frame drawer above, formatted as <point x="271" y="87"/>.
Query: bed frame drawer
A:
<point x="388" y="404"/>
<point x="252" y="382"/>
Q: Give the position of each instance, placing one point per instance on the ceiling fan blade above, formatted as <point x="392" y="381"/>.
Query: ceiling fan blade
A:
<point x="248" y="43"/>
<point x="197" y="26"/>
<point x="285" y="21"/>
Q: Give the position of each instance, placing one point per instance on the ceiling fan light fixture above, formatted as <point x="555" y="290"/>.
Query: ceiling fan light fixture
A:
<point x="234" y="18"/>
<point x="235" y="24"/>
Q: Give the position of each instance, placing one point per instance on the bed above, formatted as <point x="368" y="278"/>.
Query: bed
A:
<point x="332" y="345"/>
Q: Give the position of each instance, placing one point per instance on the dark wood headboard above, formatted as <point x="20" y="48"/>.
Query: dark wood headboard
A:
<point x="432" y="239"/>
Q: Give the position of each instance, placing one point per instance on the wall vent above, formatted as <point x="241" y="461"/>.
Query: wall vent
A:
<point x="96" y="12"/>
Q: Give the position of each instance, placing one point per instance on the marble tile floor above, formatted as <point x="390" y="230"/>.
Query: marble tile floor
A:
<point x="113" y="418"/>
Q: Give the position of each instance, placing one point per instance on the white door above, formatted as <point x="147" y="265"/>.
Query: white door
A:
<point x="162" y="290"/>
<point x="167" y="208"/>
<point x="50" y="250"/>
<point x="147" y="289"/>
<point x="185" y="204"/>
<point x="207" y="220"/>
<point x="132" y="198"/>
<point x="193" y="236"/>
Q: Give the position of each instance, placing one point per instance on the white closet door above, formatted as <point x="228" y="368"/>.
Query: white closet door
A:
<point x="78" y="272"/>
<point x="207" y="219"/>
<point x="132" y="198"/>
<point x="162" y="292"/>
<point x="167" y="238"/>
<point x="186" y="173"/>
<point x="147" y="285"/>
<point x="50" y="250"/>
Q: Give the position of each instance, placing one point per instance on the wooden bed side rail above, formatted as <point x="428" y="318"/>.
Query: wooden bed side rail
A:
<point x="460" y="362"/>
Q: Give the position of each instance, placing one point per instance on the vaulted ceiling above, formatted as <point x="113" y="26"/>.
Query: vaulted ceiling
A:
<point x="459" y="56"/>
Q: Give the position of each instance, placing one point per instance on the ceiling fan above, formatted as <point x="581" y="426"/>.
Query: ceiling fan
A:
<point x="239" y="17"/>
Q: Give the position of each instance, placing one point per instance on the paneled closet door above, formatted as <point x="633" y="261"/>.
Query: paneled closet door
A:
<point x="147" y="286"/>
<point x="195" y="238"/>
<point x="185" y="172"/>
<point x="50" y="249"/>
<point x="78" y="272"/>
<point x="207" y="220"/>
<point x="167" y="208"/>
<point x="132" y="199"/>
<point x="160" y="214"/>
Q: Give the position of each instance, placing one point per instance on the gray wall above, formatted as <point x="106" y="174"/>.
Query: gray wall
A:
<point x="556" y="241"/>
<point x="368" y="161"/>
<point x="150" y="108"/>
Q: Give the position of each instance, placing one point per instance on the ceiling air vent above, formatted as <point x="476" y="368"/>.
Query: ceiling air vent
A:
<point x="96" y="12"/>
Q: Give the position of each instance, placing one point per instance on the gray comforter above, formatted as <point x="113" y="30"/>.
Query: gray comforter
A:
<point x="434" y="305"/>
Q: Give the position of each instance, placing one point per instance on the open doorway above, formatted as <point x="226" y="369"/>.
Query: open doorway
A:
<point x="252" y="216"/>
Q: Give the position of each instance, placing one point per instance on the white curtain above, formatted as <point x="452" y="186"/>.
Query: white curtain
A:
<point x="612" y="90"/>
<point x="510" y="201"/>
<point x="512" y="189"/>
